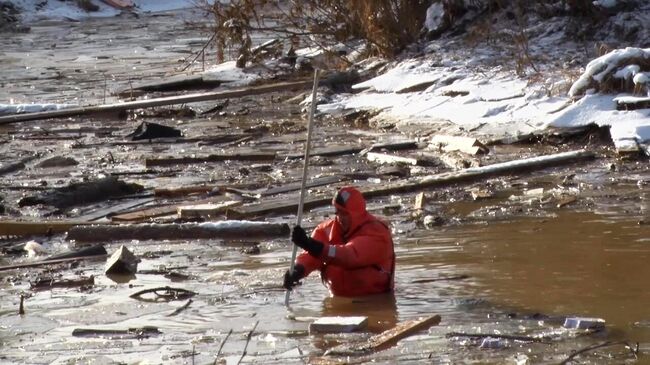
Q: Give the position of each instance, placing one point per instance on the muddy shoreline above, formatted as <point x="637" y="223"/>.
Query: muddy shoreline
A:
<point x="469" y="253"/>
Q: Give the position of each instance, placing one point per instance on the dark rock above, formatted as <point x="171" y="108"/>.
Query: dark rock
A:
<point x="147" y="130"/>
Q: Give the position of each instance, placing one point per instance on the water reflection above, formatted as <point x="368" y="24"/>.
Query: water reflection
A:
<point x="577" y="264"/>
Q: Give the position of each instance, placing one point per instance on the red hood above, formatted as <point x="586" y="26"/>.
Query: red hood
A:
<point x="350" y="200"/>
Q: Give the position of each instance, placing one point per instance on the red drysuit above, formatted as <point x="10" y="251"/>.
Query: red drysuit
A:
<point x="362" y="262"/>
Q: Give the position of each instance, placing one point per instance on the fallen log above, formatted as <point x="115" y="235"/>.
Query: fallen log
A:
<point x="212" y="230"/>
<point x="16" y="228"/>
<point x="385" y="339"/>
<point x="470" y="174"/>
<point x="82" y="193"/>
<point x="181" y="99"/>
<point x="239" y="156"/>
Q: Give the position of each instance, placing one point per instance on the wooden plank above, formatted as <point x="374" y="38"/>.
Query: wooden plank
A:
<point x="470" y="174"/>
<point x="239" y="156"/>
<point x="170" y="100"/>
<point x="208" y="210"/>
<point x="17" y="228"/>
<point x="385" y="339"/>
<point x="338" y="324"/>
<point x="212" y="230"/>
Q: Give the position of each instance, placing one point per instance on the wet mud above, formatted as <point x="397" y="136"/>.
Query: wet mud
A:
<point x="508" y="255"/>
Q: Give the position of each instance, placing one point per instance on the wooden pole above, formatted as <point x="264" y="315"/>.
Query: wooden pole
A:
<point x="305" y="166"/>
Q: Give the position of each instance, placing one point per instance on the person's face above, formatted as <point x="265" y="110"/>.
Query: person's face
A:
<point x="344" y="219"/>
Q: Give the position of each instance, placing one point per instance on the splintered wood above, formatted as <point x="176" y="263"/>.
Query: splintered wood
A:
<point x="385" y="339"/>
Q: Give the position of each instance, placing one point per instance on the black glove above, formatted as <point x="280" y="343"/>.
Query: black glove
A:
<point x="291" y="277"/>
<point x="300" y="238"/>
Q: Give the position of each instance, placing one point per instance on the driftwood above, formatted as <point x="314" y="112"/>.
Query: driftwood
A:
<point x="16" y="228"/>
<point x="327" y="151"/>
<point x="82" y="193"/>
<point x="470" y="174"/>
<point x="215" y="230"/>
<point x="385" y="339"/>
<point x="182" y="99"/>
<point x="51" y="262"/>
<point x="134" y="333"/>
<point x="49" y="283"/>
<point x="239" y="156"/>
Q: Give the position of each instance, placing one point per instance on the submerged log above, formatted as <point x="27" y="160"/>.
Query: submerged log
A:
<point x="49" y="283"/>
<point x="213" y="230"/>
<point x="82" y="193"/>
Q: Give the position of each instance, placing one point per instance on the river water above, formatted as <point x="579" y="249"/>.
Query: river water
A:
<point x="518" y="276"/>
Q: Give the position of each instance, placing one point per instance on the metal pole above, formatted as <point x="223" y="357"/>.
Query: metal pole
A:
<point x="310" y="127"/>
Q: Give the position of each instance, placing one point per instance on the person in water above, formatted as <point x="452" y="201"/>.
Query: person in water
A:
<point x="354" y="251"/>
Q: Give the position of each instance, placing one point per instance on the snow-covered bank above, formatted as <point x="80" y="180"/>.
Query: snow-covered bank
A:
<point x="487" y="104"/>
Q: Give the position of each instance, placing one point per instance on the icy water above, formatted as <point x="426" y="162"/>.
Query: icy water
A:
<point x="518" y="278"/>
